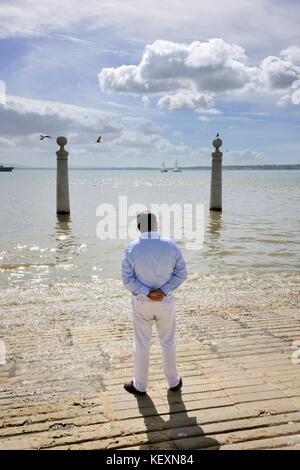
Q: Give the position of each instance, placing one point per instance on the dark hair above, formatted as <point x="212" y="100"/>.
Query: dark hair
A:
<point x="146" y="221"/>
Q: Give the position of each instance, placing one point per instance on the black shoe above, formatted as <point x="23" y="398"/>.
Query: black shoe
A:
<point x="129" y="387"/>
<point x="178" y="387"/>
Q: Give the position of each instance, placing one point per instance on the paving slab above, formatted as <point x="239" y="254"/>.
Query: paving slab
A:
<point x="241" y="388"/>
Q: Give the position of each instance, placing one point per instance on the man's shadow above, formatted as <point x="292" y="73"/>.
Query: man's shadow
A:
<point x="179" y="427"/>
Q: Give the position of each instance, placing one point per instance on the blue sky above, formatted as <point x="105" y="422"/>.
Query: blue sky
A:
<point x="156" y="79"/>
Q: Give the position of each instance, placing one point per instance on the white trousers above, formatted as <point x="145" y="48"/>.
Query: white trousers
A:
<point x="145" y="311"/>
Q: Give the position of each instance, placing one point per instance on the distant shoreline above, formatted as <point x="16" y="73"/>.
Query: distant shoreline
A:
<point x="225" y="167"/>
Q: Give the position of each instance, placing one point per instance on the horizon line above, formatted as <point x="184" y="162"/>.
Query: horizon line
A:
<point x="198" y="167"/>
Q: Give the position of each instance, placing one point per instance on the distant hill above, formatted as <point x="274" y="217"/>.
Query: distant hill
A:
<point x="225" y="167"/>
<point x="249" y="167"/>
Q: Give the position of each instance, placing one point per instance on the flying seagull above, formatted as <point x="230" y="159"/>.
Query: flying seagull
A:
<point x="42" y="137"/>
<point x="99" y="139"/>
<point x="217" y="134"/>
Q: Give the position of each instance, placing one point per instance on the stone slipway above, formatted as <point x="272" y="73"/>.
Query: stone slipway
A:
<point x="241" y="388"/>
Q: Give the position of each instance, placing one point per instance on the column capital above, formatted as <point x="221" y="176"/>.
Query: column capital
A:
<point x="62" y="154"/>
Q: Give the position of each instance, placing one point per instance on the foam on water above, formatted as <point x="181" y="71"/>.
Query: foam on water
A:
<point x="211" y="290"/>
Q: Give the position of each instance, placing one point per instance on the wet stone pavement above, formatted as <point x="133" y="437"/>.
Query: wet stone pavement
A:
<point x="62" y="384"/>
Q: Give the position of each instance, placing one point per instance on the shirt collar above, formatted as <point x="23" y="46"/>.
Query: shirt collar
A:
<point x="150" y="235"/>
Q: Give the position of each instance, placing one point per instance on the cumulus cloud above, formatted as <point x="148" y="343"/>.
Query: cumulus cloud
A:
<point x="278" y="73"/>
<point x="292" y="53"/>
<point x="295" y="97"/>
<point x="281" y="77"/>
<point x="181" y="101"/>
<point x="192" y="76"/>
<point x="213" y="66"/>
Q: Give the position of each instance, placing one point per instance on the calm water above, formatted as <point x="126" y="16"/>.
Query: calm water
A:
<point x="252" y="245"/>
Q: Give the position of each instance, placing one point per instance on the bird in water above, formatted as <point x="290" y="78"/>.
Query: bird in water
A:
<point x="99" y="139"/>
<point x="42" y="137"/>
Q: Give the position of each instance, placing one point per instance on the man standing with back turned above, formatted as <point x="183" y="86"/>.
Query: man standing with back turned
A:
<point x="152" y="268"/>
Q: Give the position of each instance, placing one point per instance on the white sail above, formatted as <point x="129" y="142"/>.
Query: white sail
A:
<point x="176" y="169"/>
<point x="163" y="168"/>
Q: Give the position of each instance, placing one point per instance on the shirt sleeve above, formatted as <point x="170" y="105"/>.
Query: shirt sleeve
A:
<point x="179" y="274"/>
<point x="129" y="279"/>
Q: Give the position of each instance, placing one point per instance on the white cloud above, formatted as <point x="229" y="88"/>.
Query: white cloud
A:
<point x="147" y="145"/>
<point x="177" y="134"/>
<point x="292" y="53"/>
<point x="295" y="98"/>
<point x="281" y="77"/>
<point x="203" y="118"/>
<point x="284" y="100"/>
<point x="125" y="139"/>
<point x="250" y="23"/>
<point x="295" y="92"/>
<point x="21" y="116"/>
<point x="6" y="144"/>
<point x="142" y="125"/>
<point x="246" y="156"/>
<point x="212" y="66"/>
<point x="146" y="101"/>
<point x="189" y="76"/>
<point x="277" y="73"/>
<point x="182" y="101"/>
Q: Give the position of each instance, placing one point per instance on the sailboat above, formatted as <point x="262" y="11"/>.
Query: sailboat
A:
<point x="163" y="168"/>
<point x="176" y="169"/>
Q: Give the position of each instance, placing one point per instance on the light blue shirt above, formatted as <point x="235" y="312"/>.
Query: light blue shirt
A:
<point x="152" y="262"/>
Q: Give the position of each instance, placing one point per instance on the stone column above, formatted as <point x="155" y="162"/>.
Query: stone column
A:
<point x="216" y="177"/>
<point x="62" y="179"/>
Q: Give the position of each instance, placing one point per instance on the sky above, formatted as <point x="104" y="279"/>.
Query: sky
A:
<point x="156" y="79"/>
